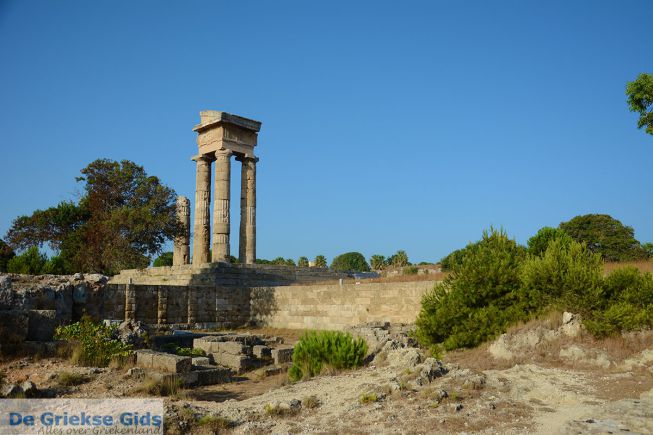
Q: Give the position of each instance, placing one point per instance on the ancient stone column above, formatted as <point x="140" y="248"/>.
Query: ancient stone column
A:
<point x="202" y="230"/>
<point x="162" y="305"/>
<point x="130" y="301"/>
<point x="192" y="306"/>
<point x="181" y="250"/>
<point x="247" y="248"/>
<point x="221" y="206"/>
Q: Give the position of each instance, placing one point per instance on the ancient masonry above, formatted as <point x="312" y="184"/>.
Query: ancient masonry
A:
<point x="211" y="292"/>
<point x="221" y="135"/>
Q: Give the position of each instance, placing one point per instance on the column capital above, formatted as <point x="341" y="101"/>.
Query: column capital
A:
<point x="247" y="159"/>
<point x="203" y="158"/>
<point x="223" y="154"/>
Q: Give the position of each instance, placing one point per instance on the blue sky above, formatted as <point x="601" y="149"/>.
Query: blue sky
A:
<point x="386" y="125"/>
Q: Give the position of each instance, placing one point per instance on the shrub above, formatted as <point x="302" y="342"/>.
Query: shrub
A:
<point x="302" y="262"/>
<point x="164" y="386"/>
<point x="350" y="262"/>
<point x="567" y="275"/>
<point x="410" y="270"/>
<point x="69" y="379"/>
<point x="316" y="351"/>
<point x="320" y="261"/>
<point x="626" y="303"/>
<point x="479" y="299"/>
<point x="368" y="398"/>
<point x="215" y="423"/>
<point x="454" y="259"/>
<point x="30" y="262"/>
<point x="539" y="242"/>
<point x="95" y="344"/>
<point x="56" y="265"/>
<point x="165" y="259"/>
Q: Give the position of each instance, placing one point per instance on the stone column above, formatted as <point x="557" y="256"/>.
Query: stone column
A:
<point x="221" y="206"/>
<point x="181" y="250"/>
<point x="192" y="306"/>
<point x="202" y="228"/>
<point x="247" y="248"/>
<point x="162" y="305"/>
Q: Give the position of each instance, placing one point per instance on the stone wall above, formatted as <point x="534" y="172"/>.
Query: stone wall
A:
<point x="337" y="306"/>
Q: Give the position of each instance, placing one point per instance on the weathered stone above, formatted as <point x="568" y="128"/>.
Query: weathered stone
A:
<point x="11" y="391"/>
<point x="282" y="355"/>
<point x="136" y="373"/>
<point x="212" y="376"/>
<point x="262" y="352"/>
<point x="41" y="325"/>
<point x="237" y="363"/>
<point x="144" y="358"/>
<point x="234" y="348"/>
<point x="171" y="363"/>
<point x="181" y="248"/>
<point x="13" y="327"/>
<point x="201" y="361"/>
<point x="202" y="234"/>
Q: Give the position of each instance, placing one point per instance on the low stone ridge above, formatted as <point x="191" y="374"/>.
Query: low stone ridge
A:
<point x="160" y="361"/>
<point x="282" y="355"/>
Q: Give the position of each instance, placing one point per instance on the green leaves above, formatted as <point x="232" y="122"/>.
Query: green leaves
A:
<point x="640" y="100"/>
<point x="95" y="343"/>
<point x="350" y="262"/>
<point x="318" y="350"/>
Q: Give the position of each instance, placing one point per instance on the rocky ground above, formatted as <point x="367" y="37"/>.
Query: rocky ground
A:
<point x="543" y="377"/>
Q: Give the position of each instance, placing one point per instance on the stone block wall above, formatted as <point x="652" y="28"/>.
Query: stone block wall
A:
<point x="337" y="306"/>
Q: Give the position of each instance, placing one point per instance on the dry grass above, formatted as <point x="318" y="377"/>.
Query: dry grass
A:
<point x="162" y="387"/>
<point x="642" y="265"/>
<point x="69" y="379"/>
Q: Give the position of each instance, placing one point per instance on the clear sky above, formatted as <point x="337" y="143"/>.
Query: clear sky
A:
<point x="386" y="125"/>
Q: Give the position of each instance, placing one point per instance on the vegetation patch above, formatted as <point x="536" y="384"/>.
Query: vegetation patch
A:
<point x="94" y="344"/>
<point x="70" y="379"/>
<point x="326" y="350"/>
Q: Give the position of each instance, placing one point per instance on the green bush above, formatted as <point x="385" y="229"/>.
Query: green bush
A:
<point x="410" y="270"/>
<point x="325" y="349"/>
<point x="56" y="265"/>
<point x="479" y="299"/>
<point x="567" y="275"/>
<point x="350" y="262"/>
<point x="95" y="344"/>
<point x="626" y="303"/>
<point x="539" y="242"/>
<point x="455" y="258"/>
<point x="30" y="262"/>
<point x="165" y="259"/>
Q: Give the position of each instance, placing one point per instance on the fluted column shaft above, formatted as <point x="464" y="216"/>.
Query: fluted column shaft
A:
<point x="202" y="229"/>
<point x="247" y="245"/>
<point x="221" y="206"/>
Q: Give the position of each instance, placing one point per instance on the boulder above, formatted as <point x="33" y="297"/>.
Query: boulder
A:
<point x="282" y="355"/>
<point x="133" y="332"/>
<point x="29" y="389"/>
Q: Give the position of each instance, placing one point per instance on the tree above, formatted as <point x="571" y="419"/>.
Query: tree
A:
<point x="6" y="254"/>
<point x="350" y="262"/>
<point x="302" y="262"/>
<point x="640" y="100"/>
<point x="30" y="262"/>
<point x="539" y="242"/>
<point x="377" y="262"/>
<point x="123" y="218"/>
<point x="320" y="261"/>
<point x="606" y="236"/>
<point x="400" y="259"/>
<point x="165" y="259"/>
<point x="648" y="247"/>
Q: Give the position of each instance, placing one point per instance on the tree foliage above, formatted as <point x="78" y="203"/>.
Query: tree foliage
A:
<point x="479" y="299"/>
<point x="399" y="259"/>
<point x="6" y="254"/>
<point x="606" y="236"/>
<point x="539" y="242"/>
<point x="302" y="262"/>
<point x="350" y="262"/>
<point x="320" y="261"/>
<point x="640" y="100"/>
<point x="165" y="259"/>
<point x="30" y="262"/>
<point x="377" y="262"/>
<point x="123" y="218"/>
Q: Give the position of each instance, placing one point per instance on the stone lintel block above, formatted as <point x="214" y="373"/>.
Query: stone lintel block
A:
<point x="144" y="358"/>
<point x="201" y="361"/>
<point x="262" y="352"/>
<point x="237" y="363"/>
<point x="189" y="379"/>
<point x="282" y="355"/>
<point x="234" y="348"/>
<point x="212" y="376"/>
<point x="170" y="363"/>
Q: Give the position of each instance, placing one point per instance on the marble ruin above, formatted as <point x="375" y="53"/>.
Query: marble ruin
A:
<point x="181" y="250"/>
<point x="221" y="135"/>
